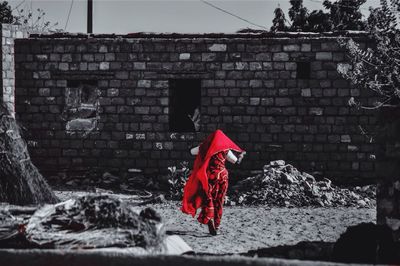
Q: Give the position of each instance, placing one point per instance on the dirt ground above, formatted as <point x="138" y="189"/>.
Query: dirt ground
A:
<point x="247" y="228"/>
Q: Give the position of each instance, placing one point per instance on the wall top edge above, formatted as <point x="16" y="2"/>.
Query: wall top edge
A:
<point x="256" y="35"/>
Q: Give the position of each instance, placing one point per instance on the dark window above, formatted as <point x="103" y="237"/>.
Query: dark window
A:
<point x="184" y="105"/>
<point x="81" y="110"/>
<point x="303" y="70"/>
<point x="84" y="91"/>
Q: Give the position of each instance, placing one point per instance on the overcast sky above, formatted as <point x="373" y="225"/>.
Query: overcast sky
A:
<point x="125" y="16"/>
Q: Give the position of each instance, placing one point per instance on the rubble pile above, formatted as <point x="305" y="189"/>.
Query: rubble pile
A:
<point x="94" y="221"/>
<point x="282" y="185"/>
<point x="133" y="182"/>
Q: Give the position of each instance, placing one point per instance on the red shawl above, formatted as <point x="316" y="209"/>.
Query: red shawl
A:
<point x="196" y="187"/>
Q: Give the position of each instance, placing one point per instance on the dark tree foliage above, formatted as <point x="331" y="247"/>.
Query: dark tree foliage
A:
<point x="298" y="14"/>
<point x="319" y="21"/>
<point x="278" y="23"/>
<point x="345" y="14"/>
<point x="6" y="15"/>
<point x="377" y="69"/>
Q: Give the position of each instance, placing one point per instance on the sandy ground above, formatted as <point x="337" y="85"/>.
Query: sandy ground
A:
<point x="246" y="228"/>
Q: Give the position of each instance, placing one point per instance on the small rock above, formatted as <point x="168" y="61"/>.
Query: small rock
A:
<point x="277" y="163"/>
<point x="361" y="203"/>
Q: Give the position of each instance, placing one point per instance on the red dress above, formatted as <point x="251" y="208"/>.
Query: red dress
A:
<point x="208" y="183"/>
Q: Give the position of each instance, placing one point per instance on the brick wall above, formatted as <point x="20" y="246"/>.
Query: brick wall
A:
<point x="249" y="89"/>
<point x="8" y="34"/>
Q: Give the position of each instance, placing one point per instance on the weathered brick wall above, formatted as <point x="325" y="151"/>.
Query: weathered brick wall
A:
<point x="8" y="34"/>
<point x="249" y="89"/>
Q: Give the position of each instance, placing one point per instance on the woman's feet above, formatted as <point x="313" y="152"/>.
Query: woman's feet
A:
<point x="211" y="228"/>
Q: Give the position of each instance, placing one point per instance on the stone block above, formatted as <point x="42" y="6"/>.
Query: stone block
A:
<point x="315" y="111"/>
<point x="255" y="83"/>
<point x="323" y="56"/>
<point x="241" y="66"/>
<point x="306" y="92"/>
<point x="44" y="91"/>
<point x="305" y="47"/>
<point x="104" y="66"/>
<point x="41" y="57"/>
<point x="283" y="101"/>
<point x="217" y="47"/>
<point x="122" y="75"/>
<point x="63" y="66"/>
<point x="144" y="83"/>
<point x="184" y="56"/>
<point x="93" y="66"/>
<point x="330" y="46"/>
<point x="255" y="66"/>
<point x="263" y="57"/>
<point x="255" y="101"/>
<point x="291" y="48"/>
<point x="345" y="138"/>
<point x="144" y="110"/>
<point x="208" y="57"/>
<point x="280" y="57"/>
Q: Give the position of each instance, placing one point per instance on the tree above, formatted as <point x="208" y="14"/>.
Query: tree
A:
<point x="298" y="14"/>
<point x="377" y="69"/>
<point x="6" y="15"/>
<point x="35" y="22"/>
<point x="278" y="23"/>
<point x="20" y="181"/>
<point x="345" y="14"/>
<point x="319" y="21"/>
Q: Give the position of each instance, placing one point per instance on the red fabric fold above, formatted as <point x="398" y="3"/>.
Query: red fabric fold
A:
<point x="195" y="191"/>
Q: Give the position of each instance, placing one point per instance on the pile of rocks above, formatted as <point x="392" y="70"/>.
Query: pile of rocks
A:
<point x="133" y="182"/>
<point x="282" y="185"/>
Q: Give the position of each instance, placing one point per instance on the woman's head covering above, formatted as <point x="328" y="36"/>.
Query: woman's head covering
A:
<point x="197" y="184"/>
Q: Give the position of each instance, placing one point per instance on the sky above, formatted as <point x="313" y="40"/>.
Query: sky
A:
<point x="185" y="16"/>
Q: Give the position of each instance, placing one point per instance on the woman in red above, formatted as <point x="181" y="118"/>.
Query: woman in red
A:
<point x="208" y="183"/>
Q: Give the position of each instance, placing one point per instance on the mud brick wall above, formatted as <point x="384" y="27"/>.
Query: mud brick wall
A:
<point x="8" y="34"/>
<point x="102" y="103"/>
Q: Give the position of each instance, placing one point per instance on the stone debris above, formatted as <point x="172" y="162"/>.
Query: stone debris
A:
<point x="133" y="182"/>
<point x="90" y="221"/>
<point x="282" y="185"/>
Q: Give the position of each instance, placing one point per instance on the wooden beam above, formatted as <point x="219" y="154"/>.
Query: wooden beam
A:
<point x="90" y="16"/>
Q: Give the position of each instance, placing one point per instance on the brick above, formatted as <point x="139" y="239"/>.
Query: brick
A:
<point x="283" y="101"/>
<point x="144" y="83"/>
<point x="305" y="47"/>
<point x="263" y="57"/>
<point x="241" y="66"/>
<point x="255" y="66"/>
<point x="315" y="111"/>
<point x="184" y="56"/>
<point x="207" y="57"/>
<point x="290" y="66"/>
<point x="280" y="57"/>
<point x="323" y="56"/>
<point x="217" y="47"/>
<point x="306" y="92"/>
<point x="255" y="83"/>
<point x="63" y="66"/>
<point x="93" y="66"/>
<point x="254" y="101"/>
<point x="345" y="138"/>
<point x="330" y="46"/>
<point x="291" y="48"/>
<point x="44" y="92"/>
<point x="104" y="66"/>
<point x="122" y="75"/>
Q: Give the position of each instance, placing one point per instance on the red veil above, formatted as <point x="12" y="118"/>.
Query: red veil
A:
<point x="196" y="187"/>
